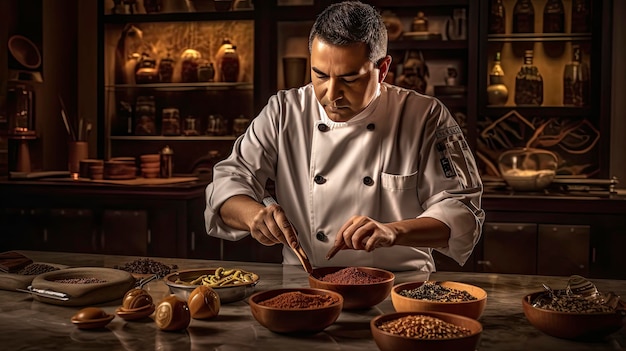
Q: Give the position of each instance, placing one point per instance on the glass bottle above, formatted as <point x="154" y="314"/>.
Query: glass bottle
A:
<point x="523" y="17"/>
<point x="528" y="83"/>
<point x="554" y="17"/>
<point x="497" y="17"/>
<point x="576" y="80"/>
<point x="581" y="19"/>
<point x="497" y="91"/>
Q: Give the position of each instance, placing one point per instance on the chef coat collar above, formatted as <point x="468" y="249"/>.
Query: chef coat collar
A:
<point x="367" y="111"/>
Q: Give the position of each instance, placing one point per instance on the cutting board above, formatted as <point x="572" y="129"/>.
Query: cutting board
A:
<point x="115" y="284"/>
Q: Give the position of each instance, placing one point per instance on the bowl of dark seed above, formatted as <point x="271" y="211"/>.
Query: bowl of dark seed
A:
<point x="361" y="287"/>
<point x="296" y="310"/>
<point x="425" y="331"/>
<point x="444" y="296"/>
<point x="574" y="317"/>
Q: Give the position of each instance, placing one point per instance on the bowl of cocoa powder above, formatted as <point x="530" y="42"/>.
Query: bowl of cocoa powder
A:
<point x="361" y="287"/>
<point x="296" y="310"/>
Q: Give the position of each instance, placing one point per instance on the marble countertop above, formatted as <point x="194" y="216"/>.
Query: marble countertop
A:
<point x="27" y="324"/>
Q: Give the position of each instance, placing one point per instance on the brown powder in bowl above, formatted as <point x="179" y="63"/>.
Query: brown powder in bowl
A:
<point x="298" y="300"/>
<point x="351" y="275"/>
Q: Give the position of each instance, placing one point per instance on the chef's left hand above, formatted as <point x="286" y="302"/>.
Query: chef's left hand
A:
<point x="364" y="233"/>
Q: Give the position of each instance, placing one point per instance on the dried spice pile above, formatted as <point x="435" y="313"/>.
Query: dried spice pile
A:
<point x="147" y="266"/>
<point x="424" y="327"/>
<point x="297" y="300"/>
<point x="351" y="275"/>
<point x="431" y="291"/>
<point x="80" y="281"/>
<point x="37" y="268"/>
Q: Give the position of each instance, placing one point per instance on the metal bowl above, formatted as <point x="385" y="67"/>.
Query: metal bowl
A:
<point x="227" y="293"/>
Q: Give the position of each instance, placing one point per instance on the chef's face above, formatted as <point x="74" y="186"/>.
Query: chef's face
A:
<point x="344" y="79"/>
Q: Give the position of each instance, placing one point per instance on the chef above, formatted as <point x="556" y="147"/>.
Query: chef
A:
<point x="366" y="173"/>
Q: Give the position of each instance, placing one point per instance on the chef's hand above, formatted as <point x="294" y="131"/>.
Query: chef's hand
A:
<point x="364" y="233"/>
<point x="270" y="226"/>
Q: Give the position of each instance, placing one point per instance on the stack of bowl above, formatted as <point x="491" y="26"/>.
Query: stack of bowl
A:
<point x="120" y="168"/>
<point x="150" y="165"/>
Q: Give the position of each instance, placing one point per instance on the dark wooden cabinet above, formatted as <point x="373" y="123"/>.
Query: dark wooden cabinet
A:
<point x="509" y="248"/>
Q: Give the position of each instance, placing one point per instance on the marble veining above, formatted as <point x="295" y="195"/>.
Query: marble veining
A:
<point x="27" y="324"/>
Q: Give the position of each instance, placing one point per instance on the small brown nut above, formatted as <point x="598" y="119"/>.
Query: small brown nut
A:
<point x="204" y="303"/>
<point x="172" y="314"/>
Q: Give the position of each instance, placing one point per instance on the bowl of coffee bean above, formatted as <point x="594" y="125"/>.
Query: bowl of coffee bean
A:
<point x="425" y="331"/>
<point x="439" y="296"/>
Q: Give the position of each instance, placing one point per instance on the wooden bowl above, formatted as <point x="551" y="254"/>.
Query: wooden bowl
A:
<point x="306" y="320"/>
<point x="392" y="342"/>
<point x="472" y="309"/>
<point x="569" y="325"/>
<point x="355" y="296"/>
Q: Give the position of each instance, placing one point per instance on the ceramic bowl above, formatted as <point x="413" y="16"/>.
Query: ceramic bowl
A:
<point x="569" y="325"/>
<point x="471" y="309"/>
<point x="387" y="341"/>
<point x="355" y="296"/>
<point x="305" y="320"/>
<point x="25" y="51"/>
<point x="227" y="293"/>
<point x="528" y="169"/>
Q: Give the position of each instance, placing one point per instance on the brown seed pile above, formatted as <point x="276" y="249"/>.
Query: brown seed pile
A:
<point x="80" y="281"/>
<point x="297" y="300"/>
<point x="424" y="327"/>
<point x="351" y="275"/>
<point x="37" y="268"/>
<point x="147" y="266"/>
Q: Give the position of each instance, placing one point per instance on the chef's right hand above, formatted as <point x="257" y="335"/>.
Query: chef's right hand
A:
<point x="270" y="226"/>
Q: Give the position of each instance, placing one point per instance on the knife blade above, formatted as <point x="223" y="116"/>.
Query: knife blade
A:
<point x="46" y="293"/>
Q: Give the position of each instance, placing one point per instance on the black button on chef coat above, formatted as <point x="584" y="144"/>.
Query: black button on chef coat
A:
<point x="321" y="236"/>
<point x="323" y="128"/>
<point x="318" y="179"/>
<point x="371" y="126"/>
<point x="368" y="181"/>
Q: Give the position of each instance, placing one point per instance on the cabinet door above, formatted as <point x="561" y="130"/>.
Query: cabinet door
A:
<point x="71" y="230"/>
<point x="510" y="248"/>
<point x="23" y="228"/>
<point x="563" y="250"/>
<point x="125" y="232"/>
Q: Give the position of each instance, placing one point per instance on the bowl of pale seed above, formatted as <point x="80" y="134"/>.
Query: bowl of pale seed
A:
<point x="425" y="331"/>
<point x="439" y="296"/>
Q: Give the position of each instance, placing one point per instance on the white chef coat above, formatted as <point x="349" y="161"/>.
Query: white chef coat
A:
<point x="402" y="157"/>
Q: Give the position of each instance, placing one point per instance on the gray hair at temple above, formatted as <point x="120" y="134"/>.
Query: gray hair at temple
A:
<point x="350" y="22"/>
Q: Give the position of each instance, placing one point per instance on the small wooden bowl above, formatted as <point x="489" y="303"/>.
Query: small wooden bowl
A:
<point x="306" y="320"/>
<point x="392" y="342"/>
<point x="472" y="309"/>
<point x="569" y="325"/>
<point x="355" y="296"/>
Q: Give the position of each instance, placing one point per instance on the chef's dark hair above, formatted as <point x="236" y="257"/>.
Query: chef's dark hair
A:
<point x="350" y="22"/>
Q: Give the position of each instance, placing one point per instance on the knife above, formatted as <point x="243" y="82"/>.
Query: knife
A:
<point x="46" y="293"/>
<point x="298" y="250"/>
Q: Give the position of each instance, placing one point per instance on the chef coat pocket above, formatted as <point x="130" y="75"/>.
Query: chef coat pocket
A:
<point x="396" y="182"/>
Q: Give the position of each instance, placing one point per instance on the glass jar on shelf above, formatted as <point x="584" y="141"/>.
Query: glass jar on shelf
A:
<point x="523" y="17"/>
<point x="581" y="17"/>
<point x="497" y="17"/>
<point x="528" y="83"/>
<point x="554" y="17"/>
<point x="576" y="80"/>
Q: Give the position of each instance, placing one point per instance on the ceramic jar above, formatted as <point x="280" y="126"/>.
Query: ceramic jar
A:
<point x="497" y="92"/>
<point x="227" y="62"/>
